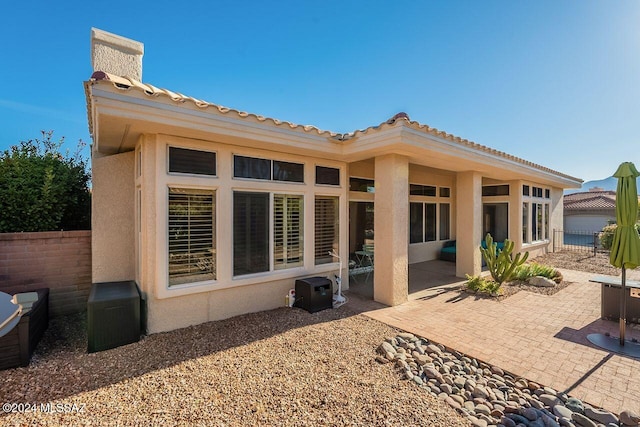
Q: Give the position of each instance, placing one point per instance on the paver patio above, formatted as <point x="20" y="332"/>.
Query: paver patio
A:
<point x="539" y="337"/>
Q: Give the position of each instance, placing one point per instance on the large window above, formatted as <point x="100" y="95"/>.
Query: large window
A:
<point x="445" y="221"/>
<point x="251" y="231"/>
<point x="422" y="222"/>
<point x="535" y="219"/>
<point x="525" y="222"/>
<point x="326" y="228"/>
<point x="288" y="232"/>
<point x="192" y="243"/>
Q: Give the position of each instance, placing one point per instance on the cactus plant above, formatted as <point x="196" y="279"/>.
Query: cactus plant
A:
<point x="501" y="263"/>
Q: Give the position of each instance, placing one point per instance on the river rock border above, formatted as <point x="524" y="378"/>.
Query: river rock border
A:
<point x="486" y="394"/>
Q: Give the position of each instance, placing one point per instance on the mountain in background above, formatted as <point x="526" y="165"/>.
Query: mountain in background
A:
<point x="607" y="184"/>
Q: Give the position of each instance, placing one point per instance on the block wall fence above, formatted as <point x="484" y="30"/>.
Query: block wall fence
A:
<point x="58" y="260"/>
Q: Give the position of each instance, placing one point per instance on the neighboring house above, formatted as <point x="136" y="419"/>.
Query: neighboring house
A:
<point x="589" y="211"/>
<point x="216" y="212"/>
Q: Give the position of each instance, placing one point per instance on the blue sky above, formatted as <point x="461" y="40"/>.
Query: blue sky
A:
<point x="554" y="82"/>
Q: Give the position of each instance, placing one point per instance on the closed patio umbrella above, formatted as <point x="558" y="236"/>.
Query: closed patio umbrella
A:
<point x="625" y="250"/>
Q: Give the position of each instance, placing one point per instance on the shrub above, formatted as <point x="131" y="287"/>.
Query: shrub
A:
<point x="606" y="236"/>
<point x="533" y="269"/>
<point x="43" y="190"/>
<point x="482" y="285"/>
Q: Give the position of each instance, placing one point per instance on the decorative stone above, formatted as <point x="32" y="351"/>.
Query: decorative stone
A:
<point x="541" y="282"/>
<point x="446" y="388"/>
<point x="629" y="418"/>
<point x="451" y="402"/>
<point x="477" y="422"/>
<point x="562" y="411"/>
<point x="432" y="348"/>
<point x="583" y="421"/>
<point x="381" y="359"/>
<point x="431" y="373"/>
<point x="483" y="409"/>
<point x="529" y="413"/>
<point x="385" y="347"/>
<point x="549" y="400"/>
<point x="416" y="379"/>
<point x="575" y="405"/>
<point x="600" y="415"/>
<point x="480" y="391"/>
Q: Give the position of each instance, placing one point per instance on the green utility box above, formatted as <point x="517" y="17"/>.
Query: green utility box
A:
<point x="113" y="315"/>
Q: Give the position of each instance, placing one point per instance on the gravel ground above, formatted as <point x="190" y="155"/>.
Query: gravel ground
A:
<point x="280" y="367"/>
<point x="585" y="261"/>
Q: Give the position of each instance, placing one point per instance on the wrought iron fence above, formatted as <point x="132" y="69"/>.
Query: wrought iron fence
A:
<point x="577" y="241"/>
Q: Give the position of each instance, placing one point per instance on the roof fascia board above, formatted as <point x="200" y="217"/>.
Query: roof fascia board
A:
<point x="132" y="105"/>
<point x="442" y="145"/>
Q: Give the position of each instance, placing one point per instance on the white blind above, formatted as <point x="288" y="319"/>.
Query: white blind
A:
<point x="288" y="245"/>
<point x="326" y="228"/>
<point x="192" y="256"/>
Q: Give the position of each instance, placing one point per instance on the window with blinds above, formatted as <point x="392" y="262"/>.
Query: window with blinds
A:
<point x="288" y="244"/>
<point x="326" y="228"/>
<point x="192" y="242"/>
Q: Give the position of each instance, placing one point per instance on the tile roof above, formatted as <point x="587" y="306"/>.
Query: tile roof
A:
<point x="590" y="200"/>
<point x="125" y="83"/>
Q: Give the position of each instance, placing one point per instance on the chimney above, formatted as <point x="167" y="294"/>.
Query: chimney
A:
<point x="116" y="54"/>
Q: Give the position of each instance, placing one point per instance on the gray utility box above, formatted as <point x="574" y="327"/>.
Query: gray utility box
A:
<point x="611" y="301"/>
<point x="113" y="315"/>
<point x="314" y="294"/>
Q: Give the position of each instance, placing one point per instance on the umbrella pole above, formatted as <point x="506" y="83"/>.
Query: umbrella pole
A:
<point x="623" y="306"/>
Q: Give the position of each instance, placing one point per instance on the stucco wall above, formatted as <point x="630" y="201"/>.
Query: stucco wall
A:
<point x="172" y="307"/>
<point x="112" y="219"/>
<point x="58" y="260"/>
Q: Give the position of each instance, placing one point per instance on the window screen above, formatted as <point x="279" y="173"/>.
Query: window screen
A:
<point x="251" y="167"/>
<point x="182" y="160"/>
<point x="250" y="233"/>
<point x="327" y="176"/>
<point x="445" y="221"/>
<point x="286" y="171"/>
<point x="416" y="222"/>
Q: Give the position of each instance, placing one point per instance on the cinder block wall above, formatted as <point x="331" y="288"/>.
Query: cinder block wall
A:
<point x="58" y="260"/>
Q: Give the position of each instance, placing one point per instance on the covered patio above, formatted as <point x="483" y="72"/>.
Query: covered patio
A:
<point x="422" y="276"/>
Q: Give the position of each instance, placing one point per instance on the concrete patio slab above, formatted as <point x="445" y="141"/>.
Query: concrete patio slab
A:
<point x="539" y="337"/>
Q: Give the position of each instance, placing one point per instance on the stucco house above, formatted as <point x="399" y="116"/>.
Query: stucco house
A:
<point x="215" y="212"/>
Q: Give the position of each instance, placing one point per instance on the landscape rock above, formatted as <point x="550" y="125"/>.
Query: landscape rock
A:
<point x="600" y="415"/>
<point x="629" y="418"/>
<point x="541" y="282"/>
<point x="488" y="396"/>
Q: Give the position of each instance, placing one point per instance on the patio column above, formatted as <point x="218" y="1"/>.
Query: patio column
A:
<point x="391" y="224"/>
<point x="469" y="223"/>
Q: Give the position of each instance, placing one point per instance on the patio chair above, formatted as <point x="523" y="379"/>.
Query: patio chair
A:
<point x="364" y="258"/>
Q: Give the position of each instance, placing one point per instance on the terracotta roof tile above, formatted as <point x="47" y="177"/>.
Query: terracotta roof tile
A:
<point x="590" y="200"/>
<point x="125" y="83"/>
